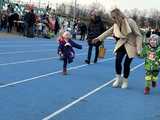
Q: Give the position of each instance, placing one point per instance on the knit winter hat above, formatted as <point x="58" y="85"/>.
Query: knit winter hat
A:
<point x="155" y="37"/>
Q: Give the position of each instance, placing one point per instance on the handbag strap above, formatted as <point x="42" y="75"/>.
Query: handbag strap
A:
<point x="102" y="44"/>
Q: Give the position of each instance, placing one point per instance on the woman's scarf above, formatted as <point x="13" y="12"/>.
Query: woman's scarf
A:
<point x="125" y="29"/>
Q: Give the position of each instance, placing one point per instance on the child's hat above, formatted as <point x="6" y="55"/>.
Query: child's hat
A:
<point x="155" y="37"/>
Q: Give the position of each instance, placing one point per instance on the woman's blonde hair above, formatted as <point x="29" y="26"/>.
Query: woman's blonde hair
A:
<point x="118" y="14"/>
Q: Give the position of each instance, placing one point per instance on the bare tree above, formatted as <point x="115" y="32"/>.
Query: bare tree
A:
<point x="135" y="14"/>
<point x="142" y="21"/>
<point x="155" y="14"/>
<point x="61" y="9"/>
<point x="97" y="6"/>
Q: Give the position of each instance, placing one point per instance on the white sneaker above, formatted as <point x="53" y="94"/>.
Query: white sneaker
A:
<point x="117" y="82"/>
<point x="124" y="83"/>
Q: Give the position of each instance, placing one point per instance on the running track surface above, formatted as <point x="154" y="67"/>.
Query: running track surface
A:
<point x="32" y="86"/>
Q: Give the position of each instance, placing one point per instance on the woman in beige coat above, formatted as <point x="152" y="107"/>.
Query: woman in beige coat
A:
<point x="129" y="43"/>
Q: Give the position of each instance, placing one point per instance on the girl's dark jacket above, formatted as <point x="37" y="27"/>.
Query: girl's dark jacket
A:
<point x="67" y="50"/>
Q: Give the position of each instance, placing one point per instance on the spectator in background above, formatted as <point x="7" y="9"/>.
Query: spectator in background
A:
<point x="11" y="18"/>
<point x="156" y="31"/>
<point x="3" y="21"/>
<point x="75" y="29"/>
<point x="57" y="26"/>
<point x="31" y="19"/>
<point x="83" y="30"/>
<point x="95" y="28"/>
<point x="26" y="22"/>
<point x="149" y="32"/>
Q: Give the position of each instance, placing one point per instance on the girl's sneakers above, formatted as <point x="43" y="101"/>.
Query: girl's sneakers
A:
<point x="146" y="90"/>
<point x="64" y="71"/>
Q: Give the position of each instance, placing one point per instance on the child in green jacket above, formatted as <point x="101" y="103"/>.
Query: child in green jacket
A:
<point x="151" y="54"/>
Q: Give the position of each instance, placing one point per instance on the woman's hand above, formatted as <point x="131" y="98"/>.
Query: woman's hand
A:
<point x="139" y="51"/>
<point x="94" y="41"/>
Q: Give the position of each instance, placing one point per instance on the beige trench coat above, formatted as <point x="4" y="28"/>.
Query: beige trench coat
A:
<point x="132" y="42"/>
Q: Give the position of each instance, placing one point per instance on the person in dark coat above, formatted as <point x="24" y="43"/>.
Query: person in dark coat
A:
<point x="83" y="30"/>
<point x="95" y="28"/>
<point x="11" y="18"/>
<point x="3" y="21"/>
<point x="26" y="20"/>
<point x="30" y="19"/>
<point x="149" y="32"/>
<point x="156" y="31"/>
<point x="57" y="26"/>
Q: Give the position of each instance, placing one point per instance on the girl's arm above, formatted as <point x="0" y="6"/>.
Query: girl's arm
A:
<point x="73" y="44"/>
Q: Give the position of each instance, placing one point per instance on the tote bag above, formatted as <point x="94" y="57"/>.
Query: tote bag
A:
<point x="102" y="51"/>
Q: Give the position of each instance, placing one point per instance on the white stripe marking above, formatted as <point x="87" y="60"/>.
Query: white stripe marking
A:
<point x="18" y="52"/>
<point x="32" y="45"/>
<point x="85" y="96"/>
<point x="36" y="60"/>
<point x="31" y="51"/>
<point x="48" y="74"/>
<point x="35" y="51"/>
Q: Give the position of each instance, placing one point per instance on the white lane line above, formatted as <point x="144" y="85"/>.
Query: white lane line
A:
<point x="32" y="45"/>
<point x="31" y="51"/>
<point x="18" y="52"/>
<point x="37" y="60"/>
<point x="48" y="74"/>
<point x="40" y="45"/>
<point x="27" y="61"/>
<point x="34" y="60"/>
<point x="84" y="96"/>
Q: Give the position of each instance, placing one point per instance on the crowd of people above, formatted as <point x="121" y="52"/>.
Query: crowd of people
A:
<point x="32" y="24"/>
<point x="29" y="24"/>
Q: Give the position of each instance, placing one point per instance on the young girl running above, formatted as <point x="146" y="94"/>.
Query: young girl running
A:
<point x="66" y="50"/>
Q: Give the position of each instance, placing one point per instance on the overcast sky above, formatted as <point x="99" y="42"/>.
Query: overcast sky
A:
<point x="108" y="4"/>
<point x="122" y="4"/>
